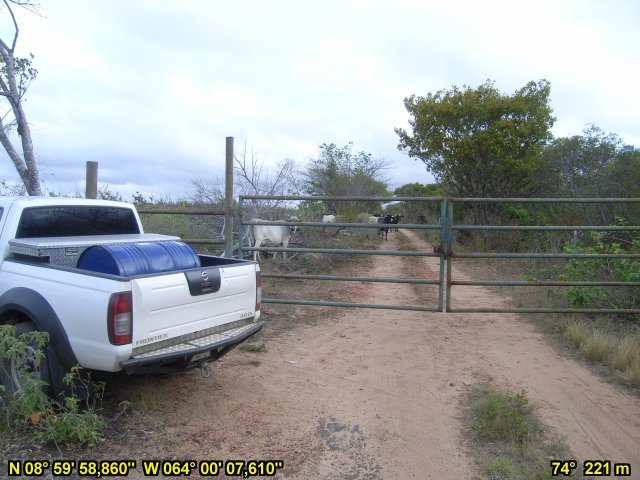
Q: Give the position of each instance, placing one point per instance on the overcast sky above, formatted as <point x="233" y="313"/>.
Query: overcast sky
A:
<point x="151" y="88"/>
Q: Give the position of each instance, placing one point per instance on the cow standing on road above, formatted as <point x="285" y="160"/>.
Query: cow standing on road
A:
<point x="384" y="231"/>
<point x="395" y="220"/>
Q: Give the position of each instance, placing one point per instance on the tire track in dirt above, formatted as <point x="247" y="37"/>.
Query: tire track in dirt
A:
<point x="598" y="419"/>
<point x="376" y="394"/>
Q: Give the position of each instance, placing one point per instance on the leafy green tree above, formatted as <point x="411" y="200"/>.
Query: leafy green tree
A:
<point x="622" y="174"/>
<point x="16" y="74"/>
<point x="337" y="171"/>
<point x="578" y="161"/>
<point x="419" y="190"/>
<point x="593" y="165"/>
<point x="420" y="212"/>
<point x="479" y="142"/>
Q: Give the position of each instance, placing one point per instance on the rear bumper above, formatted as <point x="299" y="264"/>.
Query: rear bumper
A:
<point x="190" y="353"/>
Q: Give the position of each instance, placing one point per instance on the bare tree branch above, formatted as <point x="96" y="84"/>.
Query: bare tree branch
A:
<point x="17" y="75"/>
<point x="251" y="177"/>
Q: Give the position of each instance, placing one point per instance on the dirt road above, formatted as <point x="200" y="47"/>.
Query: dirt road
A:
<point x="376" y="394"/>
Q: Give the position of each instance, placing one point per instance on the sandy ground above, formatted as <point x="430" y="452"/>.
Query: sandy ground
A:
<point x="377" y="394"/>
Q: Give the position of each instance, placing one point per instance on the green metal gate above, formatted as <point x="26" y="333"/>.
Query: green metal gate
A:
<point x="445" y="252"/>
<point x="450" y="227"/>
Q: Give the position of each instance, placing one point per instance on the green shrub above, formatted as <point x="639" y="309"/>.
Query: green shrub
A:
<point x="603" y="269"/>
<point x="31" y="410"/>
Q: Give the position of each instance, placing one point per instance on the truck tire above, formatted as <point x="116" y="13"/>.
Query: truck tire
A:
<point x="13" y="370"/>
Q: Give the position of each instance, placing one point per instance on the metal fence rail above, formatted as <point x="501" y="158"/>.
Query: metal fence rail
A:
<point x="185" y="212"/>
<point x="342" y="278"/>
<point x="445" y="251"/>
<point x="450" y="227"/>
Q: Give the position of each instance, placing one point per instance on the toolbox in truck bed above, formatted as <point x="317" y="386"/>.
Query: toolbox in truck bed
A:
<point x="65" y="251"/>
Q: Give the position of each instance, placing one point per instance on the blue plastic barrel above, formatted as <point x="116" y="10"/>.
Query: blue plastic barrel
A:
<point x="130" y="259"/>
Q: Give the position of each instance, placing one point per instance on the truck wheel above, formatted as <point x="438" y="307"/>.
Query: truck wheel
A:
<point x="14" y="371"/>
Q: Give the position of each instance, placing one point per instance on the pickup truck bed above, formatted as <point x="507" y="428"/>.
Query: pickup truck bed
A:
<point x="124" y="301"/>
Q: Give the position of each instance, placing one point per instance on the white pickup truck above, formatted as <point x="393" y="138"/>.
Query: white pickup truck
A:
<point x="113" y="298"/>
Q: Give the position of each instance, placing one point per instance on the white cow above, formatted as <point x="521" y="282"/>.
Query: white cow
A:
<point x="271" y="236"/>
<point x="328" y="219"/>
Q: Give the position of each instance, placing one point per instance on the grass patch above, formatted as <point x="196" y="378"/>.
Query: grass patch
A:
<point x="148" y="399"/>
<point x="500" y="468"/>
<point x="253" y="347"/>
<point x="607" y="345"/>
<point x="499" y="415"/>
<point x="627" y="353"/>
<point x="632" y="373"/>
<point x="599" y="347"/>
<point x="510" y="442"/>
<point x="577" y="331"/>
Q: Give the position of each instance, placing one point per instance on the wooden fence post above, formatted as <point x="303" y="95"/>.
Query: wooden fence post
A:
<point x="91" y="182"/>
<point x="228" y="204"/>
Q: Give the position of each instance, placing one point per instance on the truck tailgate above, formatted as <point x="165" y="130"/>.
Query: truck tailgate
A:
<point x="171" y="306"/>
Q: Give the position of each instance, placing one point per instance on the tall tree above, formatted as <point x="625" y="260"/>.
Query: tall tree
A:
<point x="579" y="161"/>
<point x="419" y="212"/>
<point x="479" y="142"/>
<point x="594" y="164"/>
<point x="16" y="74"/>
<point x="338" y="171"/>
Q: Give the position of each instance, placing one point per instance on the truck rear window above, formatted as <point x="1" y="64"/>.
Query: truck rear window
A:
<point x="71" y="221"/>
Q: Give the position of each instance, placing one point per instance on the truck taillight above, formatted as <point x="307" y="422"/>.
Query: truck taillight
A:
<point x="258" y="290"/>
<point x="119" y="318"/>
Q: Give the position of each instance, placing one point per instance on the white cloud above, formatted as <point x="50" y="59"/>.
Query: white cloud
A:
<point x="151" y="88"/>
